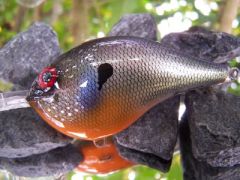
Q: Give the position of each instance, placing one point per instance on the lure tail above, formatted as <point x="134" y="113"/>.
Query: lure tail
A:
<point x="234" y="74"/>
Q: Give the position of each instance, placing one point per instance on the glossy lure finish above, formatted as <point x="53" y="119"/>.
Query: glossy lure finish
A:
<point x="101" y="159"/>
<point x="105" y="85"/>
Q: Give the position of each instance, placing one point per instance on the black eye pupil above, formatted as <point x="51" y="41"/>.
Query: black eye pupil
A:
<point x="47" y="77"/>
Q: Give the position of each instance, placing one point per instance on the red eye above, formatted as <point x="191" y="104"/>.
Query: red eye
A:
<point x="47" y="77"/>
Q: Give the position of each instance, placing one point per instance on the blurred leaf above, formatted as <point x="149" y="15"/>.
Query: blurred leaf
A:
<point x="5" y="86"/>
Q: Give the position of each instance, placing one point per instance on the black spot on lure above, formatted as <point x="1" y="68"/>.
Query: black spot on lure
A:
<point x="104" y="85"/>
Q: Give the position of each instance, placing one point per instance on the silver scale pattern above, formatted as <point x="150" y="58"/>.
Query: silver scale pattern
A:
<point x="144" y="73"/>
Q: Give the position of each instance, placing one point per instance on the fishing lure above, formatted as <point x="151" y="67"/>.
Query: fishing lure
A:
<point x="102" y="86"/>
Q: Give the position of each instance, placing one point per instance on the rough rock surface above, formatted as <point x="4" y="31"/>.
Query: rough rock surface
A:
<point x="214" y="125"/>
<point x="22" y="131"/>
<point x="156" y="147"/>
<point x="200" y="170"/>
<point x="22" y="58"/>
<point x="54" y="162"/>
<point x="154" y="133"/>
<point x="147" y="159"/>
<point x="152" y="138"/>
<point x="139" y="25"/>
<point x="198" y="42"/>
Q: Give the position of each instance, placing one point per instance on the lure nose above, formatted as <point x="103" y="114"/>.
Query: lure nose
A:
<point x="44" y="84"/>
<point x="35" y="92"/>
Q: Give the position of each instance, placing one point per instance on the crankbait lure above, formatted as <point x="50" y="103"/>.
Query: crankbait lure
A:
<point x="102" y="86"/>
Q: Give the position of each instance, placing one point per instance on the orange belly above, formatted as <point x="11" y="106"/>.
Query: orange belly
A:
<point x="101" y="160"/>
<point x="100" y="123"/>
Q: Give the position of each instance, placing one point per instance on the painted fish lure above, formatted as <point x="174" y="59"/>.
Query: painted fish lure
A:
<point x="102" y="86"/>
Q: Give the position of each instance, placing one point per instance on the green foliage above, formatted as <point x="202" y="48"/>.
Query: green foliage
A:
<point x="5" y="86"/>
<point x="7" y="11"/>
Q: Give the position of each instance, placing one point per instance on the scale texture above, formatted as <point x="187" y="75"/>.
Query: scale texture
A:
<point x="142" y="73"/>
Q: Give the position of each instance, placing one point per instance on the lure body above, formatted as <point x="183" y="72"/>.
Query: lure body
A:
<point x="105" y="85"/>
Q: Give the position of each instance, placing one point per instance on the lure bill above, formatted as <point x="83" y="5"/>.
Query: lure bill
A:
<point x="13" y="100"/>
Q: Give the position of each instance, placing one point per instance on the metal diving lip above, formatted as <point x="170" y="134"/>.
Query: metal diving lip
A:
<point x="13" y="100"/>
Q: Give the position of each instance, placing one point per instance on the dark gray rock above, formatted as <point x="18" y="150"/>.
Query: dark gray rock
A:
<point x="139" y="25"/>
<point x="22" y="58"/>
<point x="24" y="133"/>
<point x="54" y="162"/>
<point x="147" y="159"/>
<point x="208" y="45"/>
<point x="214" y="125"/>
<point x="195" y="169"/>
<point x="152" y="137"/>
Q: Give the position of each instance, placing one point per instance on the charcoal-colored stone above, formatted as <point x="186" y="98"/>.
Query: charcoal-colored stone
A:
<point x="139" y="25"/>
<point x="22" y="58"/>
<point x="54" y="162"/>
<point x="144" y="158"/>
<point x="155" y="133"/>
<point x="204" y="44"/>
<point x="24" y="133"/>
<point x="194" y="169"/>
<point x="214" y="125"/>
